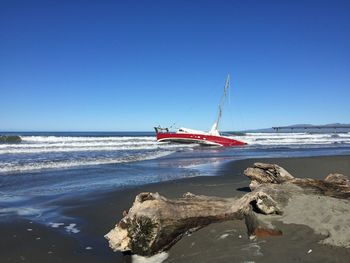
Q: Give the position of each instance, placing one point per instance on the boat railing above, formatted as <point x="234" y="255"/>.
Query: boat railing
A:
<point x="161" y="130"/>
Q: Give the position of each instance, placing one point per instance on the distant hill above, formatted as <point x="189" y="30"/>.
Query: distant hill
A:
<point x="326" y="128"/>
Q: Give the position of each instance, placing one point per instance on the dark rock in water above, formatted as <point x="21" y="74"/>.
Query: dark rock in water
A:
<point x="10" y="139"/>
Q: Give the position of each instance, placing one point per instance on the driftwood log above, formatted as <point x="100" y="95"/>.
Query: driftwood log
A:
<point x="154" y="223"/>
<point x="334" y="185"/>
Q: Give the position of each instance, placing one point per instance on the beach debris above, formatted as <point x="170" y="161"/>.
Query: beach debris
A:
<point x="310" y="250"/>
<point x="154" y="223"/>
<point x="88" y="248"/>
<point x="29" y="229"/>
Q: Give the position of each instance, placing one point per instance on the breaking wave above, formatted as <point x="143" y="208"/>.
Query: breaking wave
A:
<point x="283" y="139"/>
<point x="52" y="164"/>
<point x="56" y="144"/>
<point x="59" y="152"/>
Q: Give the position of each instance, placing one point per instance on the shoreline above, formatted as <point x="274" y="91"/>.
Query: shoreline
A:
<point x="95" y="215"/>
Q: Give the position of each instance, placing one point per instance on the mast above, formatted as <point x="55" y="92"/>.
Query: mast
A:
<point x="214" y="130"/>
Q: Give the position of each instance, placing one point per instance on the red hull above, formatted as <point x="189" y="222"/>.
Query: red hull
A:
<point x="197" y="138"/>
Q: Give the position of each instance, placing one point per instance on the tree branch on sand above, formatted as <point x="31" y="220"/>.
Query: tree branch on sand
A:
<point x="154" y="223"/>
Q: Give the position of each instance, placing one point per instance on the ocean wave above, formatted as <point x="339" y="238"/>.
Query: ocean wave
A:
<point x="68" y="148"/>
<point x="49" y="139"/>
<point x="265" y="139"/>
<point x="43" y="165"/>
<point x="56" y="144"/>
<point x="76" y="144"/>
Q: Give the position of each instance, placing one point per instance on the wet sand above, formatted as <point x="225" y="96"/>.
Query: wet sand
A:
<point x="26" y="241"/>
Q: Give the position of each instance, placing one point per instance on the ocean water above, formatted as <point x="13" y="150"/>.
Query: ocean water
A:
<point x="46" y="165"/>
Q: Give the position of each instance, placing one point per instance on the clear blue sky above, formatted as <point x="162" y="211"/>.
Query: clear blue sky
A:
<point x="130" y="65"/>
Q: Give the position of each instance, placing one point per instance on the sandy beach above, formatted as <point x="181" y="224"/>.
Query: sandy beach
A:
<point x="26" y="241"/>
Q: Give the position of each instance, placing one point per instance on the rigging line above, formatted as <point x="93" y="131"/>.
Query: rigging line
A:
<point x="222" y="100"/>
<point x="172" y="125"/>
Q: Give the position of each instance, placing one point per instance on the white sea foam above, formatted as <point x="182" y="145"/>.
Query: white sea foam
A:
<point x="75" y="144"/>
<point x="56" y="144"/>
<point x="40" y="165"/>
<point x="78" y="149"/>
<point x="71" y="228"/>
<point x="22" y="211"/>
<point x="56" y="225"/>
<point x="275" y="139"/>
<point x="83" y="138"/>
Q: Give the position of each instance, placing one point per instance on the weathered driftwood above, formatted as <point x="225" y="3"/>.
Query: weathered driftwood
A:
<point x="335" y="185"/>
<point x="263" y="173"/>
<point x="154" y="223"/>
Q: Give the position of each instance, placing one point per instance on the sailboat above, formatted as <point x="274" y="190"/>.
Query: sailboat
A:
<point x="213" y="137"/>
